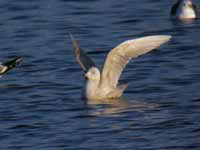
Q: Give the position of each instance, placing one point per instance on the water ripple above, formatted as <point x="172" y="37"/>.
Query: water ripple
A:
<point x="41" y="106"/>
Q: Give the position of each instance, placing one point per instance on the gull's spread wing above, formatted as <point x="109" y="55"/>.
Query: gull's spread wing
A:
<point x="118" y="57"/>
<point x="84" y="61"/>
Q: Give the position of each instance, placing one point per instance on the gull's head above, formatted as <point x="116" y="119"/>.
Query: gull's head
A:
<point x="186" y="3"/>
<point x="186" y="10"/>
<point x="93" y="74"/>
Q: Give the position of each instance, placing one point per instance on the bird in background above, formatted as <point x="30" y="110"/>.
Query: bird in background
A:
<point x="9" y="65"/>
<point x="184" y="10"/>
<point x="102" y="85"/>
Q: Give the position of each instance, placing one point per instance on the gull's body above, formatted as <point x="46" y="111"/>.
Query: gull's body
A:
<point x="95" y="89"/>
<point x="101" y="85"/>
<point x="184" y="10"/>
<point x="5" y="67"/>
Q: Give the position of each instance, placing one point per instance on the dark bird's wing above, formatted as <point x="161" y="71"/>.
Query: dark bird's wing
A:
<point x="84" y="61"/>
<point x="175" y="7"/>
<point x="195" y="8"/>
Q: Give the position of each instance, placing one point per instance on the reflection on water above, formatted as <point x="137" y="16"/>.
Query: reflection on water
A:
<point x="117" y="107"/>
<point x="184" y="23"/>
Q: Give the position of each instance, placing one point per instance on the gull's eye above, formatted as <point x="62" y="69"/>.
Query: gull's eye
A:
<point x="93" y="71"/>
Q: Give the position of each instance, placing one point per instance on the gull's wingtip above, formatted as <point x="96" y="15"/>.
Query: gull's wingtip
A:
<point x="74" y="41"/>
<point x="163" y="37"/>
<point x="159" y="39"/>
<point x="167" y="37"/>
<point x="71" y="36"/>
<point x="151" y="38"/>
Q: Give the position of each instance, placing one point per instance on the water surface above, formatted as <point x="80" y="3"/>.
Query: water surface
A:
<point x="40" y="101"/>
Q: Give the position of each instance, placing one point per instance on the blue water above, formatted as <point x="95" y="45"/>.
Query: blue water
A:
<point x="40" y="101"/>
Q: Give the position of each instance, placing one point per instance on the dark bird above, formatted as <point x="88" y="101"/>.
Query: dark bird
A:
<point x="5" y="67"/>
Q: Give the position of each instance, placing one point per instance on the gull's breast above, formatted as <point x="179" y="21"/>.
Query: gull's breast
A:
<point x="186" y="13"/>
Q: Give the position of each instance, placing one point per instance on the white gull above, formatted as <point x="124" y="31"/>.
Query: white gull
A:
<point x="104" y="85"/>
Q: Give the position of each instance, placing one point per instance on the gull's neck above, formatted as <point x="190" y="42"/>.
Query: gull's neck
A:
<point x="91" y="88"/>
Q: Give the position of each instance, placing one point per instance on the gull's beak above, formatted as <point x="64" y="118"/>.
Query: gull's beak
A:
<point x="86" y="77"/>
